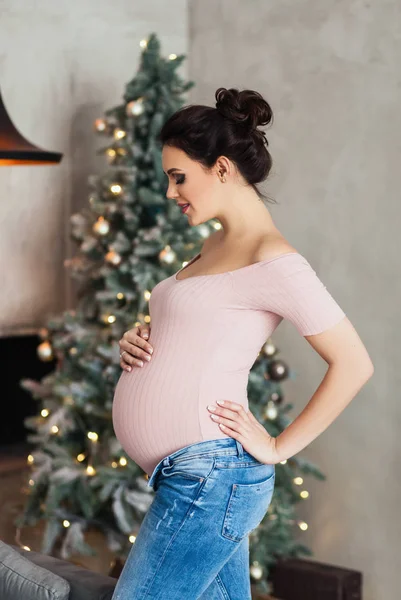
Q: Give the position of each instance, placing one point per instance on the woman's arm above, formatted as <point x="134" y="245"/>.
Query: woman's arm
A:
<point x="349" y="369"/>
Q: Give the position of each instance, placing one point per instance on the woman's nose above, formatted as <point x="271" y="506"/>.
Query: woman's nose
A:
<point x="171" y="192"/>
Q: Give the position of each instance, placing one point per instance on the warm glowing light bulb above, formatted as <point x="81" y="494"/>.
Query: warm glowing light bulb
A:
<point x="31" y="482"/>
<point x="147" y="319"/>
<point x="80" y="457"/>
<point x="44" y="412"/>
<point x="114" y="464"/>
<point x="298" y="480"/>
<point x="123" y="461"/>
<point x="116" y="189"/>
<point x="132" y="538"/>
<point x="119" y="134"/>
<point x="217" y="225"/>
<point x="92" y="435"/>
<point x="303" y="525"/>
<point x="30" y="459"/>
<point x="146" y="294"/>
<point x="283" y="462"/>
<point x="304" y="494"/>
<point x="54" y="429"/>
<point x="143" y="43"/>
<point x="120" y="296"/>
<point x="90" y="470"/>
<point x="26" y="548"/>
<point x="172" y="56"/>
<point x="66" y="523"/>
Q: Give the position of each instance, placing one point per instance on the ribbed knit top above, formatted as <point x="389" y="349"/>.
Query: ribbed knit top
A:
<point x="206" y="333"/>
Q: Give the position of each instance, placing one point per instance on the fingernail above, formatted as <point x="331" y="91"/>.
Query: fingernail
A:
<point x="151" y="350"/>
<point x="220" y="401"/>
<point x="145" y="335"/>
<point x="211" y="408"/>
<point x="128" y="369"/>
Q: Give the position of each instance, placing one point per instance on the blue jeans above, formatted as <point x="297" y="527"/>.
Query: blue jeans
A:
<point x="193" y="542"/>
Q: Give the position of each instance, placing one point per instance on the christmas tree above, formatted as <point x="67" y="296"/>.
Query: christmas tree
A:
<point x="128" y="239"/>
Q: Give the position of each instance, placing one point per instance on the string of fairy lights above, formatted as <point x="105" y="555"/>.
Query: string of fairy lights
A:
<point x="101" y="227"/>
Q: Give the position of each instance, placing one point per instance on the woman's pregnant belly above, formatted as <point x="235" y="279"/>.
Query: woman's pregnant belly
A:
<point x="162" y="407"/>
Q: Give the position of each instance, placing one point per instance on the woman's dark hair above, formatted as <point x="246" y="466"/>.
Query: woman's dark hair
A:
<point x="204" y="133"/>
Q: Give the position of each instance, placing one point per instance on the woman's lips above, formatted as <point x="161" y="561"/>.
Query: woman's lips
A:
<point x="184" y="208"/>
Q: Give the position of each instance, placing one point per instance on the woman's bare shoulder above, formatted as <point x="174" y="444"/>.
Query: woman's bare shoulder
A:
<point x="271" y="247"/>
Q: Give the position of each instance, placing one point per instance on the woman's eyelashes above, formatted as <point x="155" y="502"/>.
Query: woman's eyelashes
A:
<point x="180" y="179"/>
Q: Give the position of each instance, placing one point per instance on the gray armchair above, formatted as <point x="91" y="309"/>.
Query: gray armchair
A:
<point x="28" y="575"/>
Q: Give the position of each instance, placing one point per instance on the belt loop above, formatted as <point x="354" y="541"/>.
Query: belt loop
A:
<point x="240" y="449"/>
<point x="166" y="461"/>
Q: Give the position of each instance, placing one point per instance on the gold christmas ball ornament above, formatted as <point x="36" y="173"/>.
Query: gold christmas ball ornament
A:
<point x="271" y="411"/>
<point x="135" y="107"/>
<point x="101" y="226"/>
<point x="45" y="351"/>
<point x="269" y="348"/>
<point x="113" y="257"/>
<point x="256" y="571"/>
<point x="167" y="255"/>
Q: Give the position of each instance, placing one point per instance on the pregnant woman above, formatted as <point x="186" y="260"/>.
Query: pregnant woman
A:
<point x="180" y="409"/>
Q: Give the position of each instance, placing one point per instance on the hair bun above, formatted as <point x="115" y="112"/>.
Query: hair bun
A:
<point x="246" y="107"/>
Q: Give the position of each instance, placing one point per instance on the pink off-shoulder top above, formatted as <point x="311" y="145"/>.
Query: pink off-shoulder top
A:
<point x="206" y="333"/>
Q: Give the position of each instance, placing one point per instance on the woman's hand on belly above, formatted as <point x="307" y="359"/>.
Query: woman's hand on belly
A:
<point x="134" y="348"/>
<point x="241" y="425"/>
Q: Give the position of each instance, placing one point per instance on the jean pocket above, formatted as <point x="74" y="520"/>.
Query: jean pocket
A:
<point x="195" y="468"/>
<point x="247" y="505"/>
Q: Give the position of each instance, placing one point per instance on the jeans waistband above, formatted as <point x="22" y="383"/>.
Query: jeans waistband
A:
<point x="218" y="447"/>
<point x="222" y="446"/>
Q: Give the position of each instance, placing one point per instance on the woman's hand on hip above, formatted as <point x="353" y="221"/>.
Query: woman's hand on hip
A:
<point x="241" y="425"/>
<point x="134" y="349"/>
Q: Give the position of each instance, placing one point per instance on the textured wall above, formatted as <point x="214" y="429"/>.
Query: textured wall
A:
<point x="332" y="76"/>
<point x="61" y="65"/>
<point x="331" y="72"/>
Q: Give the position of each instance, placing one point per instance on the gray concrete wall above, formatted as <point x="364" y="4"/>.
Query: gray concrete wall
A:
<point x="332" y="76"/>
<point x="331" y="72"/>
<point x="61" y="65"/>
